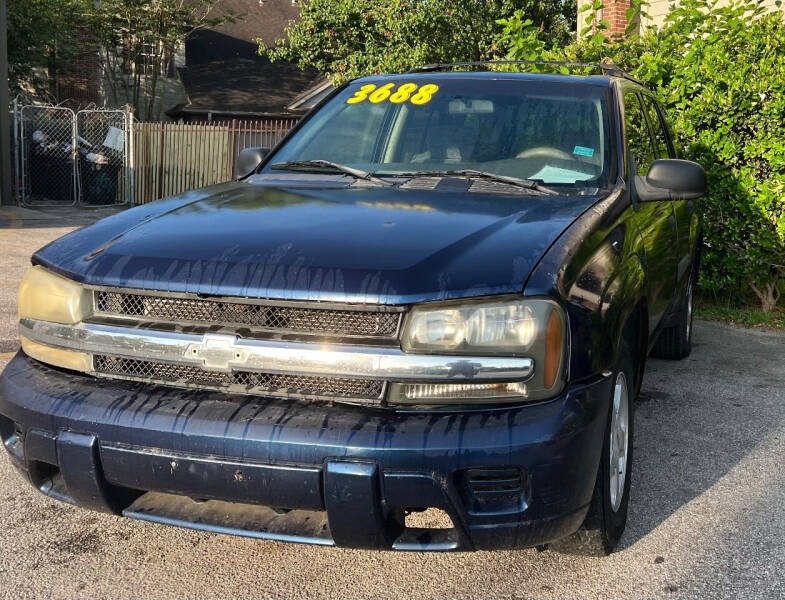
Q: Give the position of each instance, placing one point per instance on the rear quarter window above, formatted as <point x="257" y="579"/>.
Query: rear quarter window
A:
<point x="661" y="146"/>
<point x="639" y="142"/>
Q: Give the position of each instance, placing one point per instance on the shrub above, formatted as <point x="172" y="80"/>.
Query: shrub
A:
<point x="720" y="72"/>
<point x="350" y="38"/>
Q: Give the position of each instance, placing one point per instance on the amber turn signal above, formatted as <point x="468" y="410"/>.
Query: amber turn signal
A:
<point x="554" y="339"/>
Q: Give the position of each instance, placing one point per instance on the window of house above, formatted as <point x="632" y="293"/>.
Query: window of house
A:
<point x="145" y="58"/>
<point x="148" y="58"/>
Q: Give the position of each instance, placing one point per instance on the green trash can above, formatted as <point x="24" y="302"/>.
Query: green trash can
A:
<point x="98" y="182"/>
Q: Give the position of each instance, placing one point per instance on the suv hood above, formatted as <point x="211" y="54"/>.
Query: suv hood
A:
<point x="356" y="244"/>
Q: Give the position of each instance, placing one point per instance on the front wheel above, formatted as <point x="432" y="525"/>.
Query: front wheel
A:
<point x="607" y="517"/>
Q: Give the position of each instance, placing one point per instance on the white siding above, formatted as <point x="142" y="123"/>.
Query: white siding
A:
<point x="657" y="9"/>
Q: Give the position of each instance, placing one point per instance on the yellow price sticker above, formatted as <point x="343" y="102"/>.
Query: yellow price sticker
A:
<point x="406" y="91"/>
<point x="361" y="94"/>
<point x="381" y="94"/>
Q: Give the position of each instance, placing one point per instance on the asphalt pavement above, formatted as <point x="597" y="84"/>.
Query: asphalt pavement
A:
<point x="707" y="514"/>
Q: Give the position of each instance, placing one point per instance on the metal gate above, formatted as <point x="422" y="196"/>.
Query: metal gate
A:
<point x="103" y="140"/>
<point x="46" y="140"/>
<point x="65" y="158"/>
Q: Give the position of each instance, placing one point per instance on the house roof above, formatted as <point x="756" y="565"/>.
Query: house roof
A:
<point x="265" y="19"/>
<point x="224" y="74"/>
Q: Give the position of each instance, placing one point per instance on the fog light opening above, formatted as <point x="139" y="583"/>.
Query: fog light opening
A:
<point x="429" y="518"/>
<point x="47" y="478"/>
<point x="8" y="429"/>
<point x="12" y="438"/>
<point x="451" y="393"/>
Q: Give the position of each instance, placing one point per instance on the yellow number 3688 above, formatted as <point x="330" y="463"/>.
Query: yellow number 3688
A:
<point x="406" y="91"/>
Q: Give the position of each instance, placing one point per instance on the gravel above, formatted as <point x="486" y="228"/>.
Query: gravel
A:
<point x="707" y="515"/>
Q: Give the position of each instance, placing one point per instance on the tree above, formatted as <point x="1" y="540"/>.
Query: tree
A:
<point x="40" y="35"/>
<point x="349" y="38"/>
<point x="137" y="40"/>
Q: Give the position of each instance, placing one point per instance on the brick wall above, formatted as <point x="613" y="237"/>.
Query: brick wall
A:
<point x="615" y="12"/>
<point x="80" y="79"/>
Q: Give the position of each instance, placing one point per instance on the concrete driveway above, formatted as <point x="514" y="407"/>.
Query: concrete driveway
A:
<point x="707" y="516"/>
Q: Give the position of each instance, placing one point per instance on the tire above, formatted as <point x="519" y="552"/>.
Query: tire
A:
<point x="607" y="516"/>
<point x="675" y="341"/>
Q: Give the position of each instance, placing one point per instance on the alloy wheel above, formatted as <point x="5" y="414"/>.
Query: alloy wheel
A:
<point x="619" y="440"/>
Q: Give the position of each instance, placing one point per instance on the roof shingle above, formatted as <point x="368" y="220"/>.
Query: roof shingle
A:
<point x="224" y="73"/>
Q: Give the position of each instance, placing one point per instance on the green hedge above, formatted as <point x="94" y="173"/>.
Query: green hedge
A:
<point x="720" y="72"/>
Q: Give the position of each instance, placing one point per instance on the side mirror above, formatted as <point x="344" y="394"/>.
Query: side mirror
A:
<point x="249" y="159"/>
<point x="671" y="179"/>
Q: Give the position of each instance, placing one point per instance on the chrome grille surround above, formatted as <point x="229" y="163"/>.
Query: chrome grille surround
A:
<point x="339" y="372"/>
<point x="303" y="318"/>
<point x="226" y="353"/>
<point x="366" y="391"/>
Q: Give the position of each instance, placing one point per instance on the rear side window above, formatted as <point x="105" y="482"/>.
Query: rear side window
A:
<point x="658" y="129"/>
<point x="639" y="144"/>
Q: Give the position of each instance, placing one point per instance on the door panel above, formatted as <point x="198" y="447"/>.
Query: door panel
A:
<point x="656" y="220"/>
<point x="684" y="210"/>
<point x="658" y="227"/>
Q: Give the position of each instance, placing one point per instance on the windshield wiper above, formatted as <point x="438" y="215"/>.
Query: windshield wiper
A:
<point x="528" y="184"/>
<point x="326" y="164"/>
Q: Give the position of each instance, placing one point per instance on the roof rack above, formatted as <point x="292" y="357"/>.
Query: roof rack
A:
<point x="609" y="68"/>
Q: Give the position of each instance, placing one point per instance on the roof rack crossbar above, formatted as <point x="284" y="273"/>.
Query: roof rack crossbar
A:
<point x="607" y="68"/>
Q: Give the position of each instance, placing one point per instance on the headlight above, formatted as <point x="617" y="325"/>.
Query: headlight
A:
<point x="49" y="297"/>
<point x="45" y="296"/>
<point x="494" y="328"/>
<point x="534" y="328"/>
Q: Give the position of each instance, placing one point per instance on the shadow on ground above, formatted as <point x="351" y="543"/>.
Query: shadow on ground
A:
<point x="697" y="419"/>
<point x="16" y="217"/>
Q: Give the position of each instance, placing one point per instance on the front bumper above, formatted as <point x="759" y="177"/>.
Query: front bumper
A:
<point x="335" y="474"/>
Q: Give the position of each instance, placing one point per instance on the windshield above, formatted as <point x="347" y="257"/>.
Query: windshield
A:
<point x="553" y="132"/>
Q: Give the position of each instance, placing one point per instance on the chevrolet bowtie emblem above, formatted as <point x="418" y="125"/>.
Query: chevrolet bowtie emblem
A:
<point x="217" y="352"/>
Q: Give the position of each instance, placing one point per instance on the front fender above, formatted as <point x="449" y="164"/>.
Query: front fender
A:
<point x="595" y="271"/>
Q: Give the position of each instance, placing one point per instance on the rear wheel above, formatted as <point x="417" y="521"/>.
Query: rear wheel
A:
<point x="675" y="342"/>
<point x="607" y="517"/>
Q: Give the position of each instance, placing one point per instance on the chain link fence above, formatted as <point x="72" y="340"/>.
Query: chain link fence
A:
<point x="99" y="157"/>
<point x="103" y="149"/>
<point x="47" y="151"/>
<point x="64" y="158"/>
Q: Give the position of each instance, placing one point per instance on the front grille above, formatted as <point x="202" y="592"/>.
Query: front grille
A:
<point x="246" y="382"/>
<point x="288" y="318"/>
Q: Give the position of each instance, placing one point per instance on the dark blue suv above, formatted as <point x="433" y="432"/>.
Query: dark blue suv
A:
<point x="437" y="293"/>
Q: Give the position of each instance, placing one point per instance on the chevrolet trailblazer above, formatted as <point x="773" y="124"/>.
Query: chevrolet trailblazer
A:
<point x="438" y="291"/>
